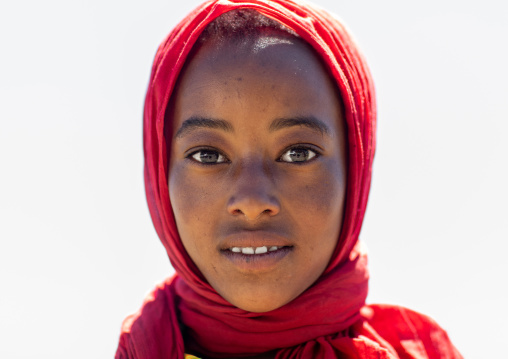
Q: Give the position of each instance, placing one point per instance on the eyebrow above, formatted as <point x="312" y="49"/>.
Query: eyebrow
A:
<point x="308" y="121"/>
<point x="195" y="123"/>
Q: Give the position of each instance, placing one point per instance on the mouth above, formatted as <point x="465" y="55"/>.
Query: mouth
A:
<point x="251" y="251"/>
<point x="255" y="250"/>
<point x="256" y="259"/>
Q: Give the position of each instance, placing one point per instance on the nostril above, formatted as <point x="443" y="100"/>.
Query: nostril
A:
<point x="252" y="206"/>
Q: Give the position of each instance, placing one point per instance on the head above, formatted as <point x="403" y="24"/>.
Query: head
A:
<point x="257" y="161"/>
<point x="260" y="137"/>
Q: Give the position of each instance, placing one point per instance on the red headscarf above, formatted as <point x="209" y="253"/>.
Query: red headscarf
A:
<point x="328" y="320"/>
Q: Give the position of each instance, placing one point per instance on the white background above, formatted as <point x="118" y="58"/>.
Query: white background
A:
<point x="78" y="251"/>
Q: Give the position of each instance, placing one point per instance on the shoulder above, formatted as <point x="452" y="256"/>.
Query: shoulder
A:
<point x="154" y="323"/>
<point x="411" y="334"/>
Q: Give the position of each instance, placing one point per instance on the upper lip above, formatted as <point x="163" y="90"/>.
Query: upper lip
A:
<point x="257" y="238"/>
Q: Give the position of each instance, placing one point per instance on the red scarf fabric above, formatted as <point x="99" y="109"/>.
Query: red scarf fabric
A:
<point x="328" y="320"/>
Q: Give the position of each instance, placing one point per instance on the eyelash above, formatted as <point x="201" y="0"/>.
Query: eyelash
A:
<point x="191" y="157"/>
<point x="314" y="153"/>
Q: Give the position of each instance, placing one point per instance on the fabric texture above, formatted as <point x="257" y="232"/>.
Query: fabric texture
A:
<point x="330" y="319"/>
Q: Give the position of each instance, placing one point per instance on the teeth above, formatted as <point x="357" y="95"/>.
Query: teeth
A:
<point x="260" y="250"/>
<point x="248" y="250"/>
<point x="252" y="250"/>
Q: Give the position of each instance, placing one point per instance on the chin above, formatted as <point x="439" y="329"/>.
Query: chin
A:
<point x="259" y="307"/>
<point x="259" y="303"/>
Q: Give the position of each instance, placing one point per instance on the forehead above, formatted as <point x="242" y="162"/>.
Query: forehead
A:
<point x="281" y="75"/>
<point x="261" y="53"/>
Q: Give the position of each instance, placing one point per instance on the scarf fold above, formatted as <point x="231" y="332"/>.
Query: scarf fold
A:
<point x="329" y="319"/>
<point x="331" y="305"/>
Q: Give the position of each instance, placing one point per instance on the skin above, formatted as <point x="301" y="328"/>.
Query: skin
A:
<point x="253" y="190"/>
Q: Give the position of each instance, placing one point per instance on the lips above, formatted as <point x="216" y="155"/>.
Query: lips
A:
<point x="255" y="250"/>
<point x="254" y="239"/>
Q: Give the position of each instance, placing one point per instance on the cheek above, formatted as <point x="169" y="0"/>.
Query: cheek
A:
<point x="316" y="201"/>
<point x="192" y="201"/>
<point x="320" y="194"/>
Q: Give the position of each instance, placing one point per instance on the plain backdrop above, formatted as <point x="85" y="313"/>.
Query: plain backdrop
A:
<point x="78" y="251"/>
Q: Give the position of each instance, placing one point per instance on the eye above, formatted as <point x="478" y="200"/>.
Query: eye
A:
<point x="208" y="156"/>
<point x="298" y="154"/>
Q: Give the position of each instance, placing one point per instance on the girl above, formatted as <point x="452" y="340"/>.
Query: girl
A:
<point x="259" y="139"/>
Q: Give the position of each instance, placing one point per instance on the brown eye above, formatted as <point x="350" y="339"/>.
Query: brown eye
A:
<point x="298" y="154"/>
<point x="208" y="156"/>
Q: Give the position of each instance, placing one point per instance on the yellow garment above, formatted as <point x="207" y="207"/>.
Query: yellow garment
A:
<point x="188" y="356"/>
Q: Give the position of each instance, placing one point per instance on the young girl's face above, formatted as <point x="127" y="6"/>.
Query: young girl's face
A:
<point x="257" y="172"/>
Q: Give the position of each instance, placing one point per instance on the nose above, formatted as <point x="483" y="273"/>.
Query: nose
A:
<point x="253" y="194"/>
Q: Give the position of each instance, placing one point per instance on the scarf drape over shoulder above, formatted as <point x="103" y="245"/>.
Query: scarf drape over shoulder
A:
<point x="330" y="319"/>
